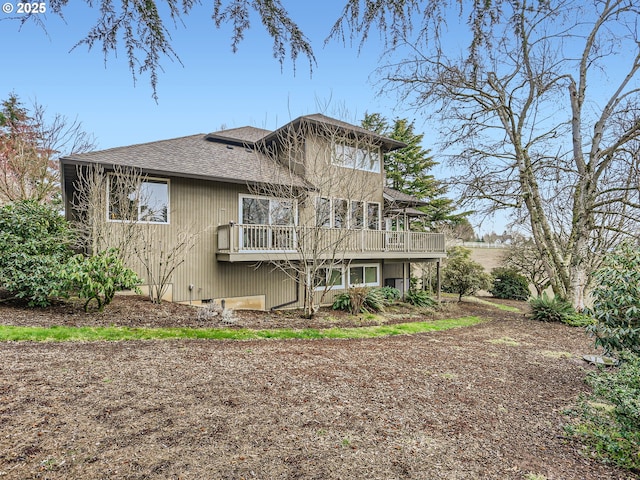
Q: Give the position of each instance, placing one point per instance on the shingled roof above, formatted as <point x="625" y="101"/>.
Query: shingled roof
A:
<point x="397" y="197"/>
<point x="345" y="128"/>
<point x="195" y="156"/>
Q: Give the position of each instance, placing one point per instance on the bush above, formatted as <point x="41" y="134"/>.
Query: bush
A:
<point x="390" y="294"/>
<point x="462" y="275"/>
<point x="419" y="298"/>
<point x="34" y="241"/>
<point x="360" y="300"/>
<point x="509" y="284"/>
<point x="616" y="301"/>
<point x="98" y="277"/>
<point x="548" y="309"/>
<point x="611" y="415"/>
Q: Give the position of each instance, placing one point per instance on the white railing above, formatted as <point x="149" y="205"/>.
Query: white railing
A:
<point x="235" y="238"/>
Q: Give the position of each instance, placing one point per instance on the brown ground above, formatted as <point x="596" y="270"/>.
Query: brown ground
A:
<point x="481" y="402"/>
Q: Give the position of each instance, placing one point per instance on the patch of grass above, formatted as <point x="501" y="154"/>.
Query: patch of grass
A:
<point x="511" y="342"/>
<point x="554" y="354"/>
<point x="499" y="306"/>
<point x="534" y="476"/>
<point x="92" y="334"/>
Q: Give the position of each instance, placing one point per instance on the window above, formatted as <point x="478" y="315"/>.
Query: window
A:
<point x="267" y="211"/>
<point x="329" y="277"/>
<point x="352" y="157"/>
<point x="266" y="223"/>
<point x="357" y="214"/>
<point x="323" y="212"/>
<point x="373" y="215"/>
<point x="360" y="275"/>
<point x="340" y="213"/>
<point x="147" y="203"/>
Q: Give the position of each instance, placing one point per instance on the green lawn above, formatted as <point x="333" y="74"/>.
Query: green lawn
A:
<point x="90" y="334"/>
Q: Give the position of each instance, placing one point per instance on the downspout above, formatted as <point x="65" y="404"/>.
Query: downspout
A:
<point x="286" y="304"/>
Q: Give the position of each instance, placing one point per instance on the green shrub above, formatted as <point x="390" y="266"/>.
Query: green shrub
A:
<point x="579" y="320"/>
<point x="548" y="309"/>
<point x="419" y="298"/>
<point x="462" y="275"/>
<point x="390" y="294"/>
<point x="509" y="284"/>
<point x="360" y="300"/>
<point x="616" y="301"/>
<point x="34" y="241"/>
<point x="98" y="277"/>
<point x="610" y="422"/>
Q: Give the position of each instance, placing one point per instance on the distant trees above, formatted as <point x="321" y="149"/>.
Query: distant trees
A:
<point x="30" y="145"/>
<point x="522" y="255"/>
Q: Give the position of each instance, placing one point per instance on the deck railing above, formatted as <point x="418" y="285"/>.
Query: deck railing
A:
<point x="234" y="238"/>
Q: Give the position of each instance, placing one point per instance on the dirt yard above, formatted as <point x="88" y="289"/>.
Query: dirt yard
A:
<point x="483" y="402"/>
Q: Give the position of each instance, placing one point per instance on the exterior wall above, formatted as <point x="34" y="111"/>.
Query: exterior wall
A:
<point x="207" y="205"/>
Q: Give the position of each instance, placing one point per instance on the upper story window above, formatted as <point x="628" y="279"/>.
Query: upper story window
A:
<point x="146" y="202"/>
<point x="255" y="210"/>
<point x="344" y="155"/>
<point x="341" y="213"/>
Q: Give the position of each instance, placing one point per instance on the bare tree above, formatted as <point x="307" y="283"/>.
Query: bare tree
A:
<point x="161" y="257"/>
<point x="30" y="145"/>
<point x="113" y="209"/>
<point x="538" y="120"/>
<point x="99" y="195"/>
<point x="313" y="229"/>
<point x="523" y="257"/>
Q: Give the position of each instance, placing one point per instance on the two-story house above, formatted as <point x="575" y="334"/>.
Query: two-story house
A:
<point x="271" y="205"/>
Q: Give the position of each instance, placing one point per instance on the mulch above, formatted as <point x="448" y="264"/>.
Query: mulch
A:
<point x="482" y="402"/>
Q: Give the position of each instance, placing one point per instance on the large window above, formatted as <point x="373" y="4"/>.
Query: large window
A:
<point x="266" y="223"/>
<point x="329" y="277"/>
<point x="357" y="214"/>
<point x="148" y="202"/>
<point x="353" y="157"/>
<point x="373" y="215"/>
<point x="367" y="274"/>
<point x="339" y="277"/>
<point x="341" y="213"/>
<point x="266" y="211"/>
<point x="340" y="209"/>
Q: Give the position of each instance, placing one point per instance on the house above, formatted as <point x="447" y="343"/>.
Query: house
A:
<point x="309" y="196"/>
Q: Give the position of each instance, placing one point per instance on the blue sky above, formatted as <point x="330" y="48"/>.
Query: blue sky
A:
<point x="213" y="89"/>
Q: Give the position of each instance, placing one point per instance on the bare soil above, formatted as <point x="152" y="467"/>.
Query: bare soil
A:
<point x="483" y="402"/>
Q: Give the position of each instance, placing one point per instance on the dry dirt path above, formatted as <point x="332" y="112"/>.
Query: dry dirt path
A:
<point x="482" y="402"/>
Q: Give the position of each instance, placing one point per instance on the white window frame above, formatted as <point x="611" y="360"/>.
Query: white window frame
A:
<point x="341" y="286"/>
<point x="367" y="223"/>
<point x="294" y="212"/>
<point x="166" y="181"/>
<point x="356" y="157"/>
<point x="364" y="265"/>
<point x="330" y="221"/>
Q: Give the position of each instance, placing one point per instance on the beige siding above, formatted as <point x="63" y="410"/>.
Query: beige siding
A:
<point x="208" y="205"/>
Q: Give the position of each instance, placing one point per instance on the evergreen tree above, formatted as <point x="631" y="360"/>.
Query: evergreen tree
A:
<point x="407" y="170"/>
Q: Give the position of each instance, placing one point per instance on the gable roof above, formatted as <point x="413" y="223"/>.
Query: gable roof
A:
<point x="194" y="157"/>
<point x="347" y="129"/>
<point x="230" y="155"/>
